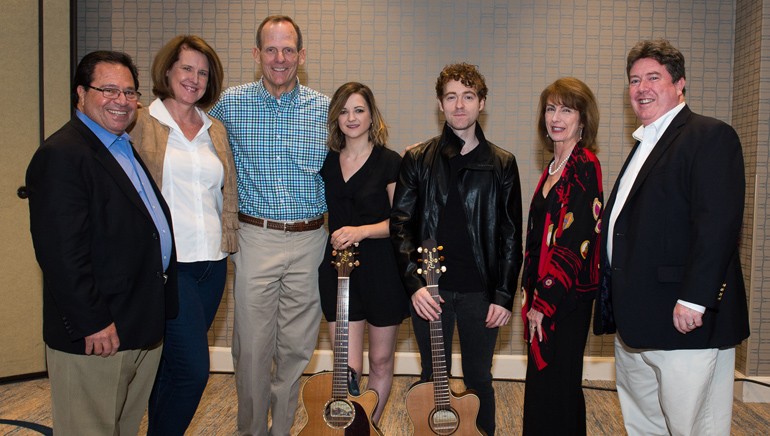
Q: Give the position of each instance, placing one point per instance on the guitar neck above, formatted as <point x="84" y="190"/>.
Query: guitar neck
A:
<point x="440" y="379"/>
<point x="340" y="374"/>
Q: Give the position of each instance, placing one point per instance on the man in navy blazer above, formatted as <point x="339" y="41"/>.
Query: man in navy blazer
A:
<point x="670" y="245"/>
<point x="102" y="237"/>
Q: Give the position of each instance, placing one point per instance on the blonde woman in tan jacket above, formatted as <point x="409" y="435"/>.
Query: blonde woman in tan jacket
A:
<point x="189" y="157"/>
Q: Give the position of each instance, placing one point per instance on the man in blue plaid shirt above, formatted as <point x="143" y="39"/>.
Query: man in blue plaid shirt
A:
<point x="277" y="130"/>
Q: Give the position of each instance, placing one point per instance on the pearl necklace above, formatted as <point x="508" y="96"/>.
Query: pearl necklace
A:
<point x="551" y="171"/>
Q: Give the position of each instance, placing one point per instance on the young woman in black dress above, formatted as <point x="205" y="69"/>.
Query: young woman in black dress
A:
<point x="360" y="177"/>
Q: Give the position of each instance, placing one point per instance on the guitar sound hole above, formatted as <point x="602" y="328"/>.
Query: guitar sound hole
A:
<point x="444" y="422"/>
<point x="339" y="413"/>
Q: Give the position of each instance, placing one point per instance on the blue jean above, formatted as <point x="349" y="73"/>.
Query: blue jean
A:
<point x="477" y="347"/>
<point x="184" y="366"/>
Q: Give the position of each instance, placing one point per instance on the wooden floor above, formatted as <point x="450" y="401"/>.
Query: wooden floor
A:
<point x="29" y="401"/>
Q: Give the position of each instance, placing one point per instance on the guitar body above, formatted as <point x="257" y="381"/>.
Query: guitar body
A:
<point x="432" y="407"/>
<point x="331" y="409"/>
<point x="459" y="419"/>
<point x="329" y="417"/>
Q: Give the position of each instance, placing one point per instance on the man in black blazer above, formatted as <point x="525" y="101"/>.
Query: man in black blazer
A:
<point x="102" y="237"/>
<point x="670" y="245"/>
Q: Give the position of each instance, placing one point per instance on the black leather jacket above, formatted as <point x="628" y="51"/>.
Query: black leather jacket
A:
<point x="492" y="191"/>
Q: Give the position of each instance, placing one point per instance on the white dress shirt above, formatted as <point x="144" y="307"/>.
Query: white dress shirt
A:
<point x="648" y="137"/>
<point x="193" y="177"/>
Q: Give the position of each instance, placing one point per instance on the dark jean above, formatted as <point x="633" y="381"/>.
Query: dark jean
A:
<point x="184" y="366"/>
<point x="477" y="347"/>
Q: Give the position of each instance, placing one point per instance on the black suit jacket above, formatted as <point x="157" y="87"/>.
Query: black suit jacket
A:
<point x="677" y="237"/>
<point x="96" y="244"/>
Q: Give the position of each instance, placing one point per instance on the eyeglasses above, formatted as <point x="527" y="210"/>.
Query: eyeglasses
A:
<point x="113" y="93"/>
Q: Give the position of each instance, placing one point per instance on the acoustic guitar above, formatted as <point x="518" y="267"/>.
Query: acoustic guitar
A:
<point x="331" y="409"/>
<point x="432" y="407"/>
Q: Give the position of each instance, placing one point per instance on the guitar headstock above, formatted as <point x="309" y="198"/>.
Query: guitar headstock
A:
<point x="431" y="261"/>
<point x="345" y="260"/>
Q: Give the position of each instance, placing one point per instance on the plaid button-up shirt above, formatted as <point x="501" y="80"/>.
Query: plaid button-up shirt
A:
<point x="279" y="146"/>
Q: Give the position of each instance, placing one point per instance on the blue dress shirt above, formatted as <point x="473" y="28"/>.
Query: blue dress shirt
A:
<point x="120" y="148"/>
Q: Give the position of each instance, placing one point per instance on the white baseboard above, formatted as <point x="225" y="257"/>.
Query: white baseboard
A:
<point x="503" y="366"/>
<point x="751" y="392"/>
<point x="220" y="359"/>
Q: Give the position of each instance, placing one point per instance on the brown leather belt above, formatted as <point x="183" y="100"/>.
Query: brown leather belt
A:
<point x="296" y="226"/>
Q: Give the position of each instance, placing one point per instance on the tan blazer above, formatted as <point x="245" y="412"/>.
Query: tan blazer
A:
<point x="150" y="138"/>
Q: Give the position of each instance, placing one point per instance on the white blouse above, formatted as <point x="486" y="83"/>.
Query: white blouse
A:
<point x="193" y="177"/>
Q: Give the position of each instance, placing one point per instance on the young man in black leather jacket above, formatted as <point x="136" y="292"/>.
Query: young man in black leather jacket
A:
<point x="464" y="192"/>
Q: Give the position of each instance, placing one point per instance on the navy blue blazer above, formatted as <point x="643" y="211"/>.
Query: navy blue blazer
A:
<point x="97" y="246"/>
<point x="677" y="237"/>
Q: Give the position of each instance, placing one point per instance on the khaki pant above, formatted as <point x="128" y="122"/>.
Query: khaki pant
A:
<point x="277" y="316"/>
<point x="94" y="395"/>
<point x="675" y="392"/>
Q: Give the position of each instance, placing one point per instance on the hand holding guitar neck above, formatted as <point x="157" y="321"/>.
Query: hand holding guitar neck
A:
<point x="331" y="409"/>
<point x="432" y="407"/>
<point x="426" y="302"/>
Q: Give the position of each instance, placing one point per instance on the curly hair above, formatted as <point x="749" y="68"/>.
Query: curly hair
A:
<point x="464" y="73"/>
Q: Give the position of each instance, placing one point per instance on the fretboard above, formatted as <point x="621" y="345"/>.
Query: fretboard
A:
<point x="440" y="379"/>
<point x="340" y="374"/>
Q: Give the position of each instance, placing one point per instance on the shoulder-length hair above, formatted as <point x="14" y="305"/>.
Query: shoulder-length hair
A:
<point x="574" y="94"/>
<point x="169" y="54"/>
<point x="378" y="132"/>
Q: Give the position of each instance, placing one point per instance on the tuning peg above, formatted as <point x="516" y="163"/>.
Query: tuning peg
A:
<point x="441" y="258"/>
<point x="419" y="270"/>
<point x="440" y="248"/>
<point x="357" y="263"/>
<point x="420" y="249"/>
<point x="443" y="268"/>
<point x="334" y="252"/>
